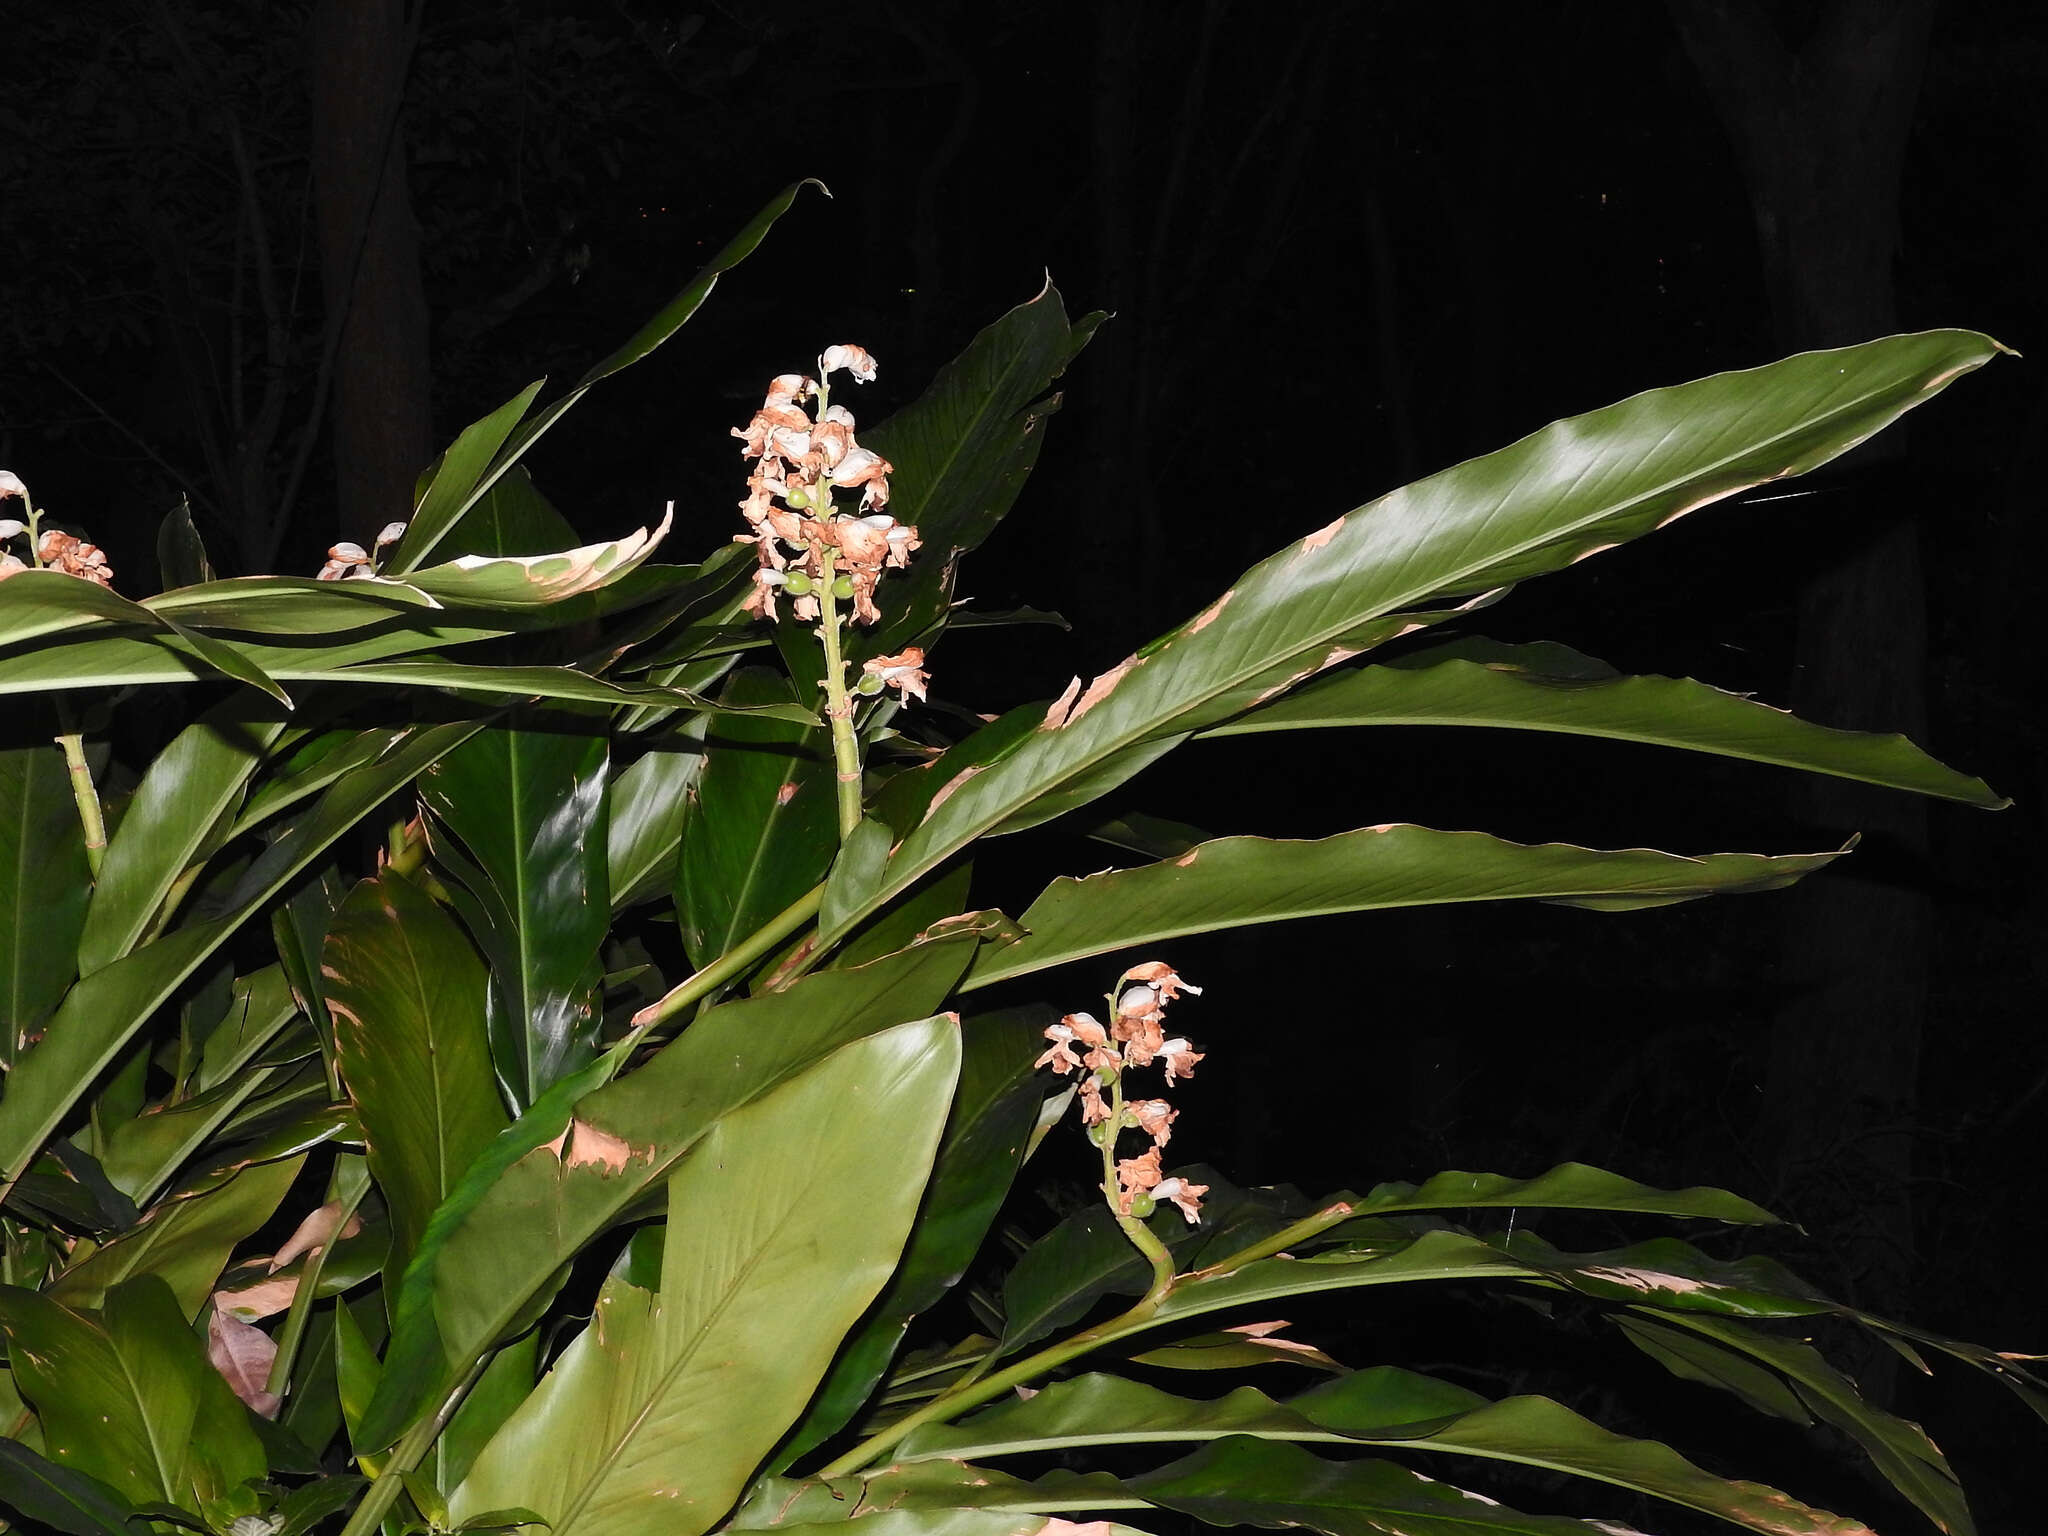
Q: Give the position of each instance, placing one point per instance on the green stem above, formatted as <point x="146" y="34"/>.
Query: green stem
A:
<point x="86" y="796"/>
<point x="410" y="1452"/>
<point x="1140" y="1235"/>
<point x="725" y="967"/>
<point x="972" y="1395"/>
<point x="838" y="703"/>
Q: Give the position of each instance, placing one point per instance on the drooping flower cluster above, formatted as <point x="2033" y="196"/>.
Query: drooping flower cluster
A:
<point x="345" y="560"/>
<point x="55" y="550"/>
<point x="801" y="456"/>
<point x="1135" y="1037"/>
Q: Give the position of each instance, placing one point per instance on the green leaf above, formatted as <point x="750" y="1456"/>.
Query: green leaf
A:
<point x="1695" y="1359"/>
<point x="306" y="1506"/>
<point x="962" y="450"/>
<point x="1235" y="881"/>
<point x="1555" y="497"/>
<point x="125" y="1395"/>
<point x="1235" y="1349"/>
<point x="536" y="581"/>
<point x="406" y="992"/>
<point x="1386" y="1406"/>
<point x="185" y="1240"/>
<point x="650" y="805"/>
<point x="526" y="1208"/>
<point x="1567" y="1187"/>
<point x="856" y="870"/>
<point x="1897" y="1448"/>
<point x="180" y="552"/>
<point x="44" y="888"/>
<point x="656" y="1417"/>
<point x="177" y="817"/>
<point x="527" y="807"/>
<point x="145" y="1153"/>
<point x="765" y="821"/>
<point x="986" y="1133"/>
<point x="295" y="606"/>
<point x="1548" y="687"/>
<point x="451" y="488"/>
<point x="511" y="518"/>
<point x="102" y="1013"/>
<point x="428" y="530"/>
<point x="1246" y="1481"/>
<point x="59" y="1497"/>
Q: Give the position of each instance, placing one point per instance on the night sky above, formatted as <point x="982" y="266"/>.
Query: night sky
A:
<point x="1344" y="245"/>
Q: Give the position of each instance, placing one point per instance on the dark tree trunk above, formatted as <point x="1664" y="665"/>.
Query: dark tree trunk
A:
<point x="369" y="261"/>
<point x="1820" y="130"/>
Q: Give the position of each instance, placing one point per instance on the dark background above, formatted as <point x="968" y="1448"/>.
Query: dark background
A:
<point x="1345" y="244"/>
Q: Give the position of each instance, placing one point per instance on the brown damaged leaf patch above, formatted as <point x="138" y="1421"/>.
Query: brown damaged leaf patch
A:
<point x="947" y="789"/>
<point x="1057" y="714"/>
<point x="1101" y="688"/>
<point x="1321" y="536"/>
<point x="1208" y="615"/>
<point x="583" y="1145"/>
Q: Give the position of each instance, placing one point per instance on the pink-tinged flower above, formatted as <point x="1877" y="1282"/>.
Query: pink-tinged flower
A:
<point x="788" y="388"/>
<point x="1180" y="1058"/>
<point x="1135" y="1175"/>
<point x="345" y="560"/>
<point x="9" y="566"/>
<point x="1155" y="1118"/>
<point x="1183" y="1194"/>
<point x="865" y="467"/>
<point x="761" y="601"/>
<point x="74" y="557"/>
<point x="854" y="360"/>
<point x="1063" y="1035"/>
<point x="1094" y="1108"/>
<point x="904" y="672"/>
<point x="777" y="415"/>
<point x="1162" y="977"/>
<point x="902" y="538"/>
<point x="1141" y="1036"/>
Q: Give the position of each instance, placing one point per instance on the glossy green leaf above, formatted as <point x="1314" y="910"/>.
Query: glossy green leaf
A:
<point x="962" y="450"/>
<point x="656" y="1417"/>
<point x="59" y="1497"/>
<point x="535" y="581"/>
<point x="965" y="1521"/>
<point x="146" y="1152"/>
<point x="176" y="817"/>
<point x="1386" y="1406"/>
<point x="102" y="1013"/>
<point x="1567" y="1187"/>
<point x="185" y="1240"/>
<point x="1235" y="881"/>
<point x="650" y="806"/>
<point x="1557" y="496"/>
<point x="987" y="1129"/>
<point x="406" y="991"/>
<point x="125" y="1395"/>
<point x="291" y="606"/>
<point x="1236" y="1349"/>
<point x="563" y="684"/>
<point x="527" y="807"/>
<point x="511" y="518"/>
<point x="428" y="530"/>
<point x="856" y="870"/>
<point x="44" y="887"/>
<point x="451" y="487"/>
<point x="1898" y="1448"/>
<point x="944" y="1490"/>
<point x="180" y="551"/>
<point x="1547" y="687"/>
<point x="1247" y="1481"/>
<point x="528" y="1207"/>
<point x="1691" y="1358"/>
<point x="765" y="820"/>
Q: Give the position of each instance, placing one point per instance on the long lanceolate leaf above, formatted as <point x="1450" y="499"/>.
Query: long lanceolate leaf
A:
<point x="1384" y="1406"/>
<point x="1239" y="880"/>
<point x="488" y="449"/>
<point x="1561" y="494"/>
<point x="43" y="888"/>
<point x="1547" y="687"/>
<point x="527" y="807"/>
<point x="105" y="1010"/>
<point x="525" y="1209"/>
<point x="656" y="1417"/>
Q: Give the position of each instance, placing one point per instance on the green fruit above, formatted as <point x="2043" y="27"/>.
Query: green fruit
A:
<point x="870" y="684"/>
<point x="842" y="587"/>
<point x="1143" y="1205"/>
<point x="797" y="584"/>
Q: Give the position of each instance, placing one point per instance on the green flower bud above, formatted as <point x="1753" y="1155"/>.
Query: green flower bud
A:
<point x="870" y="684"/>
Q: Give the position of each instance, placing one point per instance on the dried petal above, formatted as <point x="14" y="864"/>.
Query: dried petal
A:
<point x="314" y="1233"/>
<point x="1155" y="1118"/>
<point x="9" y="566"/>
<point x="242" y="1354"/>
<point x="1183" y="1194"/>
<point x="905" y="672"/>
<point x="1180" y="1058"/>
